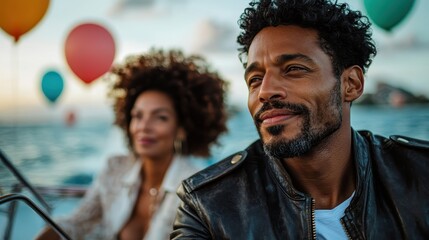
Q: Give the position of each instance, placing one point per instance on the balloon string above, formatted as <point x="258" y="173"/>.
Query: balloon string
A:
<point x="15" y="96"/>
<point x="15" y="75"/>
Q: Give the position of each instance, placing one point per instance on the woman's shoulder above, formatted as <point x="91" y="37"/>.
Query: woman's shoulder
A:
<point x="116" y="169"/>
<point x="119" y="162"/>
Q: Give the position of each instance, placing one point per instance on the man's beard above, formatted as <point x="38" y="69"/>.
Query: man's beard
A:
<point x="309" y="136"/>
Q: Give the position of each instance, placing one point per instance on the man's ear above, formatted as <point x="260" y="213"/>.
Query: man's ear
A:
<point x="353" y="83"/>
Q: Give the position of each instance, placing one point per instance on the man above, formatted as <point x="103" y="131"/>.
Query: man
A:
<point x="310" y="175"/>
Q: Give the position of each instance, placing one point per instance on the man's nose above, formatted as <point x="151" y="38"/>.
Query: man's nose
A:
<point x="271" y="88"/>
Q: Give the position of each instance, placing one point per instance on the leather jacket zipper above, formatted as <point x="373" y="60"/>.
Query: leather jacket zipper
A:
<point x="345" y="229"/>
<point x="313" y="218"/>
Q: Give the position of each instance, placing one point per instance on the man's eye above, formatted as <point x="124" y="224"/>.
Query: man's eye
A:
<point x="254" y="80"/>
<point x="295" y="68"/>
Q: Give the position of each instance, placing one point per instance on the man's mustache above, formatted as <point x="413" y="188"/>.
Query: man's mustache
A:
<point x="276" y="104"/>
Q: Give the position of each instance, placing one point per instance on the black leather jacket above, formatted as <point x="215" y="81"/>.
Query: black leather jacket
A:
<point x="247" y="196"/>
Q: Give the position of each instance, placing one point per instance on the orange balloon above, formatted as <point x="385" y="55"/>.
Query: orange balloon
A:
<point x="19" y="16"/>
<point x="89" y="51"/>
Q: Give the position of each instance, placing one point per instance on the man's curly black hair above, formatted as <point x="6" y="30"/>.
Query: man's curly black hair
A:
<point x="198" y="94"/>
<point x="344" y="34"/>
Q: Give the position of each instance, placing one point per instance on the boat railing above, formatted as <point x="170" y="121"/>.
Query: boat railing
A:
<point x="24" y="181"/>
<point x="17" y="192"/>
<point x="62" y="191"/>
<point x="14" y="197"/>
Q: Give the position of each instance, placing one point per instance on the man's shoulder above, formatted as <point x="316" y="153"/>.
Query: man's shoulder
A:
<point x="215" y="171"/>
<point x="410" y="142"/>
<point x="396" y="141"/>
<point x="401" y="155"/>
<point x="221" y="169"/>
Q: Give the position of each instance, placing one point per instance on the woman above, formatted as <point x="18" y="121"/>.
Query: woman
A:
<point x="170" y="107"/>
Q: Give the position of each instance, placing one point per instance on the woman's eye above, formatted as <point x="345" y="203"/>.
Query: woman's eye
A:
<point x="136" y="116"/>
<point x="163" y="118"/>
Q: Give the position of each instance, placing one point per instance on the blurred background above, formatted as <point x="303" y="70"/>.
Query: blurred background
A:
<point x="56" y="124"/>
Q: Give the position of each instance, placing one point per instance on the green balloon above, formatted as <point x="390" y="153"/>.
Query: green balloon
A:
<point x="387" y="13"/>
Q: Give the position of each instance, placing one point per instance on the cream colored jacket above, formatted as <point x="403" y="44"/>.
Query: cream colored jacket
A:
<point x="109" y="201"/>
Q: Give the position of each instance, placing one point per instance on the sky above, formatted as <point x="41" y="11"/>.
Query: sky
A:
<point x="204" y="27"/>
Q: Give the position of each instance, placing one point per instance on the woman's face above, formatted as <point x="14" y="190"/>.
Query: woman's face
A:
<point x="153" y="125"/>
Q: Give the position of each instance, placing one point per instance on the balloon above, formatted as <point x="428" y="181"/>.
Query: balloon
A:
<point x="89" y="51"/>
<point x="19" y="16"/>
<point x="70" y="118"/>
<point x="52" y="85"/>
<point x="387" y="13"/>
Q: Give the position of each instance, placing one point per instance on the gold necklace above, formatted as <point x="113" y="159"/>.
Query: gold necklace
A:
<point x="155" y="199"/>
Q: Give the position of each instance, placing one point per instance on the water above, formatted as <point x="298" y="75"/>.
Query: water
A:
<point x="410" y="121"/>
<point x="55" y="154"/>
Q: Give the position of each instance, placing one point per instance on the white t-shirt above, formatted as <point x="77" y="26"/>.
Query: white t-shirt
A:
<point x="328" y="224"/>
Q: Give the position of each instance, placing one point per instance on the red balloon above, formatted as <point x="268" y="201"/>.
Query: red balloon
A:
<point x="89" y="50"/>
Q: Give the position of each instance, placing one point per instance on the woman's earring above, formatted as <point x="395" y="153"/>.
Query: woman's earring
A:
<point x="178" y="146"/>
<point x="179" y="142"/>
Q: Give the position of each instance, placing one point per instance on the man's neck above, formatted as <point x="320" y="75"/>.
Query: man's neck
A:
<point x="327" y="173"/>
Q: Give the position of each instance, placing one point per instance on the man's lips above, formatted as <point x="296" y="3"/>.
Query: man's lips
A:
<point x="275" y="116"/>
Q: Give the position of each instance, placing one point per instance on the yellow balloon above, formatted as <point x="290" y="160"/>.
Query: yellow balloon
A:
<point x="19" y="16"/>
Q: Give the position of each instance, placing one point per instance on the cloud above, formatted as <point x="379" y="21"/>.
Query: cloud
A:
<point x="407" y="41"/>
<point x="143" y="8"/>
<point x="212" y="36"/>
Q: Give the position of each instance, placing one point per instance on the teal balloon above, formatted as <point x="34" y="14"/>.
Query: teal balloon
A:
<point x="386" y="14"/>
<point x="52" y="85"/>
